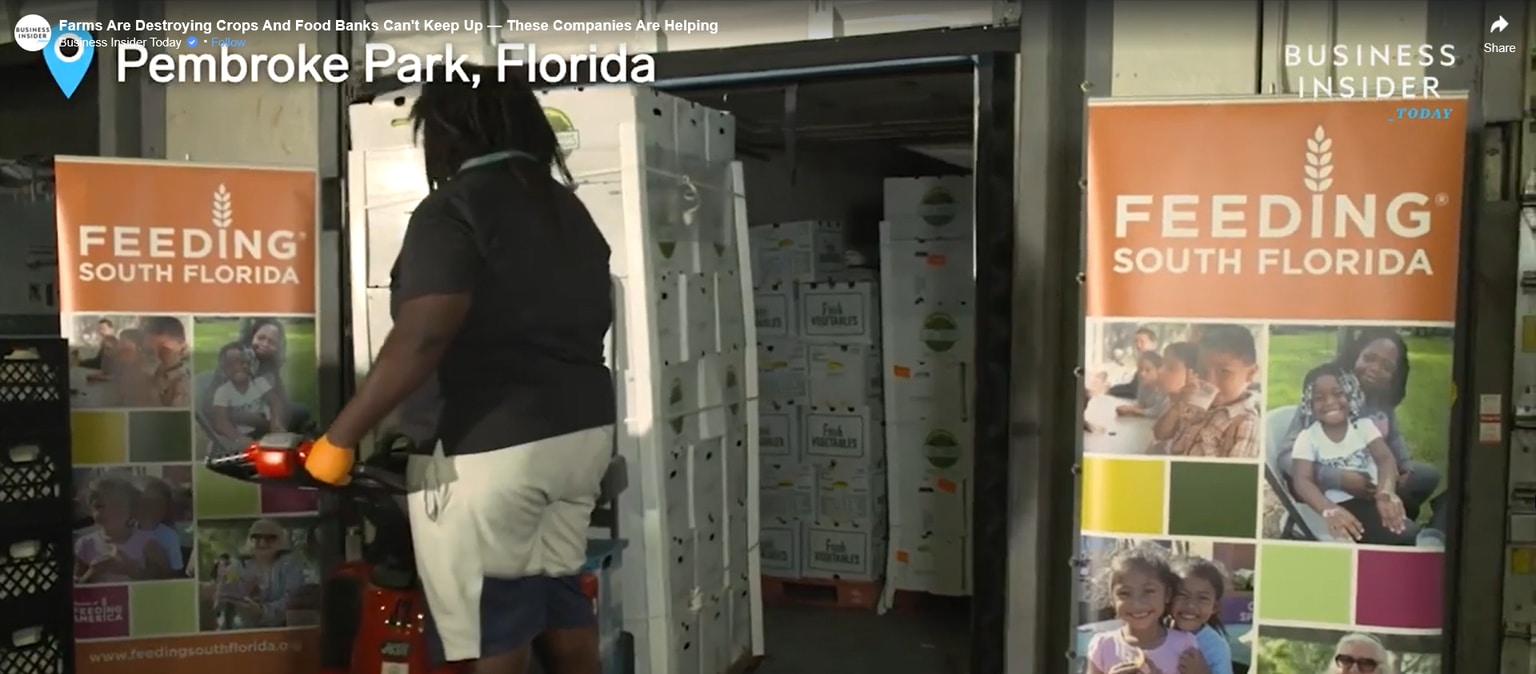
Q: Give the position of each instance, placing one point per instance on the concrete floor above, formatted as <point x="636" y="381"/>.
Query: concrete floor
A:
<point x="830" y="641"/>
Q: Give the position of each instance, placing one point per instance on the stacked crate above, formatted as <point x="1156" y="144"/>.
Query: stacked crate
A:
<point x="821" y="441"/>
<point x="36" y="508"/>
<point x="658" y="172"/>
<point x="929" y="322"/>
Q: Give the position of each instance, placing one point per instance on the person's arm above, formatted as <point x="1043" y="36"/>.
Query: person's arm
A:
<point x="82" y="567"/>
<point x="440" y="262"/>
<point x="276" y="380"/>
<point x="1241" y="441"/>
<point x="1386" y="464"/>
<point x="1154" y="406"/>
<point x="1215" y="650"/>
<point x="175" y="395"/>
<point x="277" y="407"/>
<point x="170" y="543"/>
<point x="290" y="577"/>
<point x="155" y="564"/>
<point x="1305" y="485"/>
<point x="1388" y="504"/>
<point x="222" y="421"/>
<point x="1168" y="424"/>
<point x="1395" y="442"/>
<point x="1303" y="477"/>
<point x="1127" y="390"/>
<point x="1192" y="661"/>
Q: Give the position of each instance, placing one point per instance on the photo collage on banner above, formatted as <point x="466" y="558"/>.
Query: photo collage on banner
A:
<point x="188" y="299"/>
<point x="1270" y="301"/>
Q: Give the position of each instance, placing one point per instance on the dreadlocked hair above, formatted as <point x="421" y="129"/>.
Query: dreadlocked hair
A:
<point x="455" y="122"/>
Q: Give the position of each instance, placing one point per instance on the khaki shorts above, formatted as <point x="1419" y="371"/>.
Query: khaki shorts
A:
<point x="510" y="513"/>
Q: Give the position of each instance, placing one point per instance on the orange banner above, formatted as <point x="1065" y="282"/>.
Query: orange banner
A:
<point x="187" y="294"/>
<point x="159" y="237"/>
<point x="1268" y="344"/>
<point x="264" y="652"/>
<point x="1274" y="209"/>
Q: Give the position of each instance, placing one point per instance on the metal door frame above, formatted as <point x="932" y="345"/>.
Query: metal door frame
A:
<point x="994" y="49"/>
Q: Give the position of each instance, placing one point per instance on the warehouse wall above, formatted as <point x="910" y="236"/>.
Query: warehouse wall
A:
<point x="275" y="124"/>
<point x="1189" y="47"/>
<point x="35" y="119"/>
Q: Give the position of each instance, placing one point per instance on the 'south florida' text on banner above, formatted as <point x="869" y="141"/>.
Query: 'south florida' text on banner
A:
<point x="1272" y="209"/>
<point x="184" y="238"/>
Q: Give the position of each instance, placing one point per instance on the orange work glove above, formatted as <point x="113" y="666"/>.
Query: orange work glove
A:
<point x="328" y="463"/>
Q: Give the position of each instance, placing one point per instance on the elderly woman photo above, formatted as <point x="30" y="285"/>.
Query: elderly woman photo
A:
<point x="1299" y="650"/>
<point x="1360" y="654"/>
<point x="250" y="571"/>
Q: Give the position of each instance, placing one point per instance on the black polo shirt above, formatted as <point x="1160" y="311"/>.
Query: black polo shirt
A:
<point x="528" y="364"/>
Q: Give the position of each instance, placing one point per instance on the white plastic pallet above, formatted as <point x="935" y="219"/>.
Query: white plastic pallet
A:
<point x="658" y="174"/>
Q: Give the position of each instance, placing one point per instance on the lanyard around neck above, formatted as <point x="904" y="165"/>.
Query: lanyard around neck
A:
<point x="492" y="158"/>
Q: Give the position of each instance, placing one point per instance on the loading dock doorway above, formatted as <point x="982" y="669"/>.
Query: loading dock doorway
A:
<point x="866" y="129"/>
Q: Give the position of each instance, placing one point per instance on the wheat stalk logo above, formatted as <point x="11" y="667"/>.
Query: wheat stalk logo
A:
<point x="1319" y="175"/>
<point x="223" y="209"/>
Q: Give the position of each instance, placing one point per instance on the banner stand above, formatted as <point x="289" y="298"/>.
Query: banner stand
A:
<point x="1272" y="307"/>
<point x="188" y="295"/>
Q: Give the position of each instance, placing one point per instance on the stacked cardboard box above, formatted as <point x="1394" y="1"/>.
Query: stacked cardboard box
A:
<point x="928" y="311"/>
<point x="821" y="419"/>
<point x="682" y="351"/>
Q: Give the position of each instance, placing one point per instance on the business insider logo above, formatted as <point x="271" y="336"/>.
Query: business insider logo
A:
<point x="67" y="51"/>
<point x="69" y="47"/>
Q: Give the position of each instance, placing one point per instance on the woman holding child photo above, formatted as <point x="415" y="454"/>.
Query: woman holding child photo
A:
<point x="1378" y="360"/>
<point x="267" y="341"/>
<point x="245" y="406"/>
<point x="1336" y="435"/>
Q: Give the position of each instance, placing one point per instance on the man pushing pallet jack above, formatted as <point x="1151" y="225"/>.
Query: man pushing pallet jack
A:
<point x="501" y="298"/>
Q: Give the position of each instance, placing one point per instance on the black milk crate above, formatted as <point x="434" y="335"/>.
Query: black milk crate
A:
<point x="36" y="560"/>
<point x="37" y="614"/>
<point x="34" y="382"/>
<point x="35" y="479"/>
<point x="40" y="641"/>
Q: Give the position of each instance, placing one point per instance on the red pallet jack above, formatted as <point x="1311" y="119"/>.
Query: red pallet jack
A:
<point x="372" y="618"/>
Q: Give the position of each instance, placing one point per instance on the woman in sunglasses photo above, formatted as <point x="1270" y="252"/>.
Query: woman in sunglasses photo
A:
<point x="1361" y="654"/>
<point x="250" y="569"/>
<point x="1291" y="649"/>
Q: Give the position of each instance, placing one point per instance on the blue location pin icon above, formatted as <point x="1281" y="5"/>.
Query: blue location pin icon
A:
<point x="69" y="57"/>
